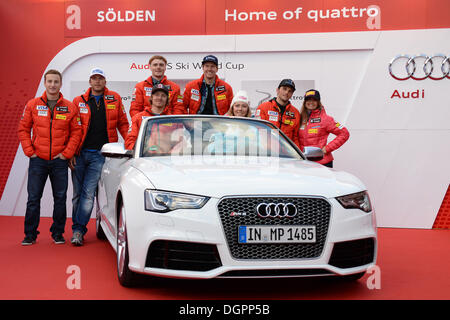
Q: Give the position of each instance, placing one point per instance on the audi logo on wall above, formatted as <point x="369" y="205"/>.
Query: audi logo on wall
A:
<point x="276" y="210"/>
<point x="420" y="67"/>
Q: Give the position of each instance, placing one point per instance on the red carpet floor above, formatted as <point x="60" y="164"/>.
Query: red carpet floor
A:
<point x="414" y="264"/>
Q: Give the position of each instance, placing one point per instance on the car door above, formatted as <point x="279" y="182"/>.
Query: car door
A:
<point x="108" y="188"/>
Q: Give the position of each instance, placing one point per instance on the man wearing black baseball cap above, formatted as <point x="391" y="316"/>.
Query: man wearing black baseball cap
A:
<point x="281" y="112"/>
<point x="209" y="94"/>
<point x="155" y="105"/>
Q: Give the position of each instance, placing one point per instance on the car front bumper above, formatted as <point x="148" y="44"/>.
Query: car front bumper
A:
<point x="204" y="226"/>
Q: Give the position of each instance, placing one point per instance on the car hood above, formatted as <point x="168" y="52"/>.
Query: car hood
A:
<point x="215" y="176"/>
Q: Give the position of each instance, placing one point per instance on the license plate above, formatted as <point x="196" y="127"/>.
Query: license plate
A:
<point x="276" y="234"/>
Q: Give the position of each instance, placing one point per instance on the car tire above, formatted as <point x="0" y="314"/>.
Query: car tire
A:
<point x="127" y="278"/>
<point x="98" y="227"/>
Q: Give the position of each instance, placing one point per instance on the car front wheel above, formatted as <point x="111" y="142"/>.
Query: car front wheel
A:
<point x="127" y="278"/>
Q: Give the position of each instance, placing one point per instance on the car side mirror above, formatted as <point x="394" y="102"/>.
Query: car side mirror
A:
<point x="313" y="153"/>
<point x="116" y="150"/>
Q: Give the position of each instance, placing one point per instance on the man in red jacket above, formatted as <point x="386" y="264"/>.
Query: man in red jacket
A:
<point x="143" y="89"/>
<point x="49" y="132"/>
<point x="280" y="111"/>
<point x="102" y="115"/>
<point x="156" y="105"/>
<point x="209" y="94"/>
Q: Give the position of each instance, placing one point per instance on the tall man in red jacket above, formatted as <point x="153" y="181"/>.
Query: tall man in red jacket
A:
<point x="209" y="94"/>
<point x="49" y="132"/>
<point x="281" y="112"/>
<point x="143" y="89"/>
<point x="102" y="114"/>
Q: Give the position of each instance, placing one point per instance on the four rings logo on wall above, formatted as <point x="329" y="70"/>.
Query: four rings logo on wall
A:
<point x="420" y="67"/>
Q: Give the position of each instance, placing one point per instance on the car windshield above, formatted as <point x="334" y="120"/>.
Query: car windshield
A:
<point x="214" y="136"/>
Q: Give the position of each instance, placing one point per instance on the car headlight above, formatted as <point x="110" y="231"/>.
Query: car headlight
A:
<point x="358" y="200"/>
<point x="164" y="201"/>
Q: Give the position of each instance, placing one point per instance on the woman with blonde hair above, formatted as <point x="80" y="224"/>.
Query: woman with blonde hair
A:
<point x="316" y="125"/>
<point x="240" y="105"/>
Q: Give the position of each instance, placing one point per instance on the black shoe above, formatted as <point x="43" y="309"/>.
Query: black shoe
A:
<point x="28" y="241"/>
<point x="58" y="239"/>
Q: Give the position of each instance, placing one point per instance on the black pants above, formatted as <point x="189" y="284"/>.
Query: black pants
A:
<point x="38" y="172"/>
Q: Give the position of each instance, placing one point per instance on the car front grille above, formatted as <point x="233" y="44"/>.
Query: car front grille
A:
<point x="235" y="212"/>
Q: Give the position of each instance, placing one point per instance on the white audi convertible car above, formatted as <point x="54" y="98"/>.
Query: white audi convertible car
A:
<point x="215" y="196"/>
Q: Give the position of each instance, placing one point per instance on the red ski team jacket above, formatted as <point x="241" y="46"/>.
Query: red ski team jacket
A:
<point x="47" y="133"/>
<point x="143" y="90"/>
<point x="192" y="98"/>
<point x="317" y="130"/>
<point x="116" y="117"/>
<point x="289" y="122"/>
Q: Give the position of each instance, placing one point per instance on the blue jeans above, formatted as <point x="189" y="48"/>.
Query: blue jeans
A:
<point x="38" y="171"/>
<point x="85" y="178"/>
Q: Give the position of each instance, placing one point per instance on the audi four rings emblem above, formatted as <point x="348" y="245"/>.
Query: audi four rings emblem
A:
<point x="273" y="210"/>
<point x="420" y="67"/>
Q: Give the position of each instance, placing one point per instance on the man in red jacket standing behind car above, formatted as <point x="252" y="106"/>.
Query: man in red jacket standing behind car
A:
<point x="143" y="89"/>
<point x="209" y="94"/>
<point x="280" y="112"/>
<point x="49" y="132"/>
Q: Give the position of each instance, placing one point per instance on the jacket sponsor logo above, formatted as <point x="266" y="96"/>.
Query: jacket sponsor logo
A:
<point x="61" y="117"/>
<point x="290" y="114"/>
<point x="313" y="131"/>
<point x="84" y="110"/>
<point x="195" y="91"/>
<point x="82" y="105"/>
<point x="221" y="97"/>
<point x="41" y="108"/>
<point x="62" y="109"/>
<point x="272" y="113"/>
<point x="315" y="120"/>
<point x="109" y="97"/>
<point x="289" y="122"/>
<point x="272" y="118"/>
<point x="220" y="88"/>
<point x="111" y="106"/>
<point x="42" y="113"/>
<point x="195" y="97"/>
